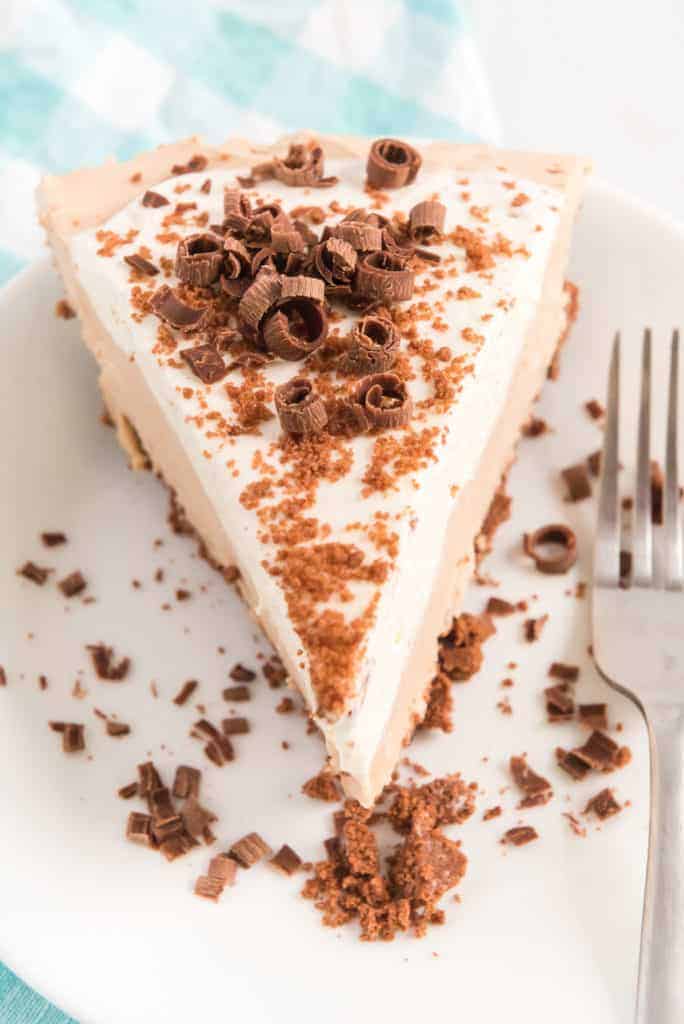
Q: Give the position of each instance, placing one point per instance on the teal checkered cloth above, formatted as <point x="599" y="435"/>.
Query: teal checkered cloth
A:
<point x="81" y="80"/>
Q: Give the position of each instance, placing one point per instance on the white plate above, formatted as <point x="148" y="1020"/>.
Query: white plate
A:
<point x="112" y="933"/>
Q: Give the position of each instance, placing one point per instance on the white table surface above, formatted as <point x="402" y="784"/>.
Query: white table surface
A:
<point x="605" y="77"/>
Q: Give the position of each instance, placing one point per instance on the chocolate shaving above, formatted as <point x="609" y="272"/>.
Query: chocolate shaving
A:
<point x="249" y="850"/>
<point x="199" y="259"/>
<point x="115" y="728"/>
<point x="520" y="835"/>
<point x="173" y="311"/>
<point x="577" y="481"/>
<point x="426" y="221"/>
<point x="73" y="736"/>
<point x="346" y="418"/>
<point x="300" y="324"/>
<point x="154" y="199"/>
<point x="603" y="805"/>
<point x="159" y="803"/>
<point x="196" y="817"/>
<point x="335" y="261"/>
<point x="36" y="573"/>
<point x="536" y="789"/>
<point x="300" y="410"/>
<point x="128" y="791"/>
<point x="384" y="277"/>
<point x="224" y="868"/>
<point x="185" y="693"/>
<point x="205" y="362"/>
<point x="384" y="400"/>
<point x="237" y="693"/>
<point x="72" y="584"/>
<point x="374" y="346"/>
<point x="141" y="265"/>
<point x="286" y="861"/>
<point x="261" y="295"/>
<point x="148" y="779"/>
<point x="195" y="163"/>
<point x="52" y="539"/>
<point x="235" y="726"/>
<point x="240" y="674"/>
<point x="358" y="236"/>
<point x="186" y="782"/>
<point x="103" y="663"/>
<point x="560" y="705"/>
<point x="593" y="715"/>
<point x="568" y="673"/>
<point x="286" y="239"/>
<point x="571" y="764"/>
<point x="139" y="828"/>
<point x="534" y="628"/>
<point x="497" y="606"/>
<point x="554" y="534"/>
<point x="237" y="210"/>
<point x="303" y="166"/>
<point x="392" y="164"/>
<point x="599" y="752"/>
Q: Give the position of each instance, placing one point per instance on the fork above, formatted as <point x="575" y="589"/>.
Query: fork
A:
<point x="638" y="642"/>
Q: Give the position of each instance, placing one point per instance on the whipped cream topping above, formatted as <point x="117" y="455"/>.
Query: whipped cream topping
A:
<point x="481" y="317"/>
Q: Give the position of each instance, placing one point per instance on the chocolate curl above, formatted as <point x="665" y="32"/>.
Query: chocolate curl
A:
<point x="237" y="210"/>
<point x="426" y="221"/>
<point x="360" y="236"/>
<point x="303" y="166"/>
<point x="261" y="295"/>
<point x="335" y="261"/>
<point x="237" y="270"/>
<point x="384" y="400"/>
<point x="384" y="276"/>
<point x="555" y="534"/>
<point x="392" y="164"/>
<point x="199" y="259"/>
<point x="375" y="343"/>
<point x="141" y="265"/>
<point x="173" y="311"/>
<point x="300" y="410"/>
<point x="296" y="330"/>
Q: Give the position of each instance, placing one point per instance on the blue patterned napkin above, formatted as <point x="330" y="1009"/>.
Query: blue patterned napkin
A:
<point x="81" y="80"/>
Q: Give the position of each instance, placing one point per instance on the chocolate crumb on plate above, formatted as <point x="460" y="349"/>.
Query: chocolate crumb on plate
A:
<point x="561" y="670"/>
<point x="186" y="782"/>
<point x="534" y="628"/>
<point x="154" y="199"/>
<point x="208" y="888"/>
<point x="115" y="728"/>
<point x="104" y="665"/>
<point x="497" y="606"/>
<point x="553" y="548"/>
<point x="572" y="764"/>
<point x="520" y="835"/>
<point x="64" y="310"/>
<point x="249" y="850"/>
<point x="599" y="752"/>
<point x="492" y="812"/>
<point x="139" y="828"/>
<point x="323" y="786"/>
<point x="460" y="650"/>
<point x="235" y="726"/>
<point x="274" y="672"/>
<point x="141" y="265"/>
<point x="593" y="715"/>
<point x="72" y="584"/>
<point x="535" y="427"/>
<point x="148" y="779"/>
<point x="237" y="693"/>
<point x="36" y="573"/>
<point x="240" y="674"/>
<point x="128" y="791"/>
<point x="53" y="538"/>
<point x="224" y="868"/>
<point x="73" y="737"/>
<point x="286" y="861"/>
<point x="185" y="693"/>
<point x="603" y="805"/>
<point x="577" y="482"/>
<point x="560" y="704"/>
<point x="594" y="408"/>
<point x="535" y="788"/>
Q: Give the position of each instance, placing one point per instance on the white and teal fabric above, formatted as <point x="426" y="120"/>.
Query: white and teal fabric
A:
<point x="81" y="80"/>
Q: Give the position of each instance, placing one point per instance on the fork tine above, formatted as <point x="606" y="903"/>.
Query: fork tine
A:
<point x="673" y="535"/>
<point x="642" y="546"/>
<point x="607" y="551"/>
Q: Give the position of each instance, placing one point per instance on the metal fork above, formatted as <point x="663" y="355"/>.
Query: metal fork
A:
<point x="638" y="640"/>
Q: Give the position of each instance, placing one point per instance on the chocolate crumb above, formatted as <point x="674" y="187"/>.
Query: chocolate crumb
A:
<point x="186" y="782"/>
<point x="571" y="764"/>
<point x="577" y="482"/>
<point x="560" y="704"/>
<point x="240" y="674"/>
<point x="535" y="427"/>
<point x="492" y="812"/>
<point x="237" y="693"/>
<point x="593" y="715"/>
<point x="185" y="693"/>
<point x="64" y="310"/>
<point x="103" y="663"/>
<point x="561" y="670"/>
<point x="323" y="786"/>
<point x="36" y="573"/>
<point x="536" y="789"/>
<point x="603" y="805"/>
<point x="520" y="835"/>
<point x="249" y="850"/>
<point x="594" y="408"/>
<point x="286" y="861"/>
<point x="115" y="728"/>
<point x="154" y="199"/>
<point x="534" y="628"/>
<point x="128" y="791"/>
<point x="497" y="606"/>
<point x="274" y="672"/>
<point x="235" y="726"/>
<point x="52" y="539"/>
<point x="460" y="650"/>
<point x="73" y="584"/>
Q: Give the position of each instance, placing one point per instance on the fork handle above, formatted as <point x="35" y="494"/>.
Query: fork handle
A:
<point x="660" y="998"/>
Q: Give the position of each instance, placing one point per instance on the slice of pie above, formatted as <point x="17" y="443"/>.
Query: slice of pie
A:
<point x="327" y="350"/>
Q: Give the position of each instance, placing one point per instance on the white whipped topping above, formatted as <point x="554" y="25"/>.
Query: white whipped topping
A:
<point x="508" y="299"/>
